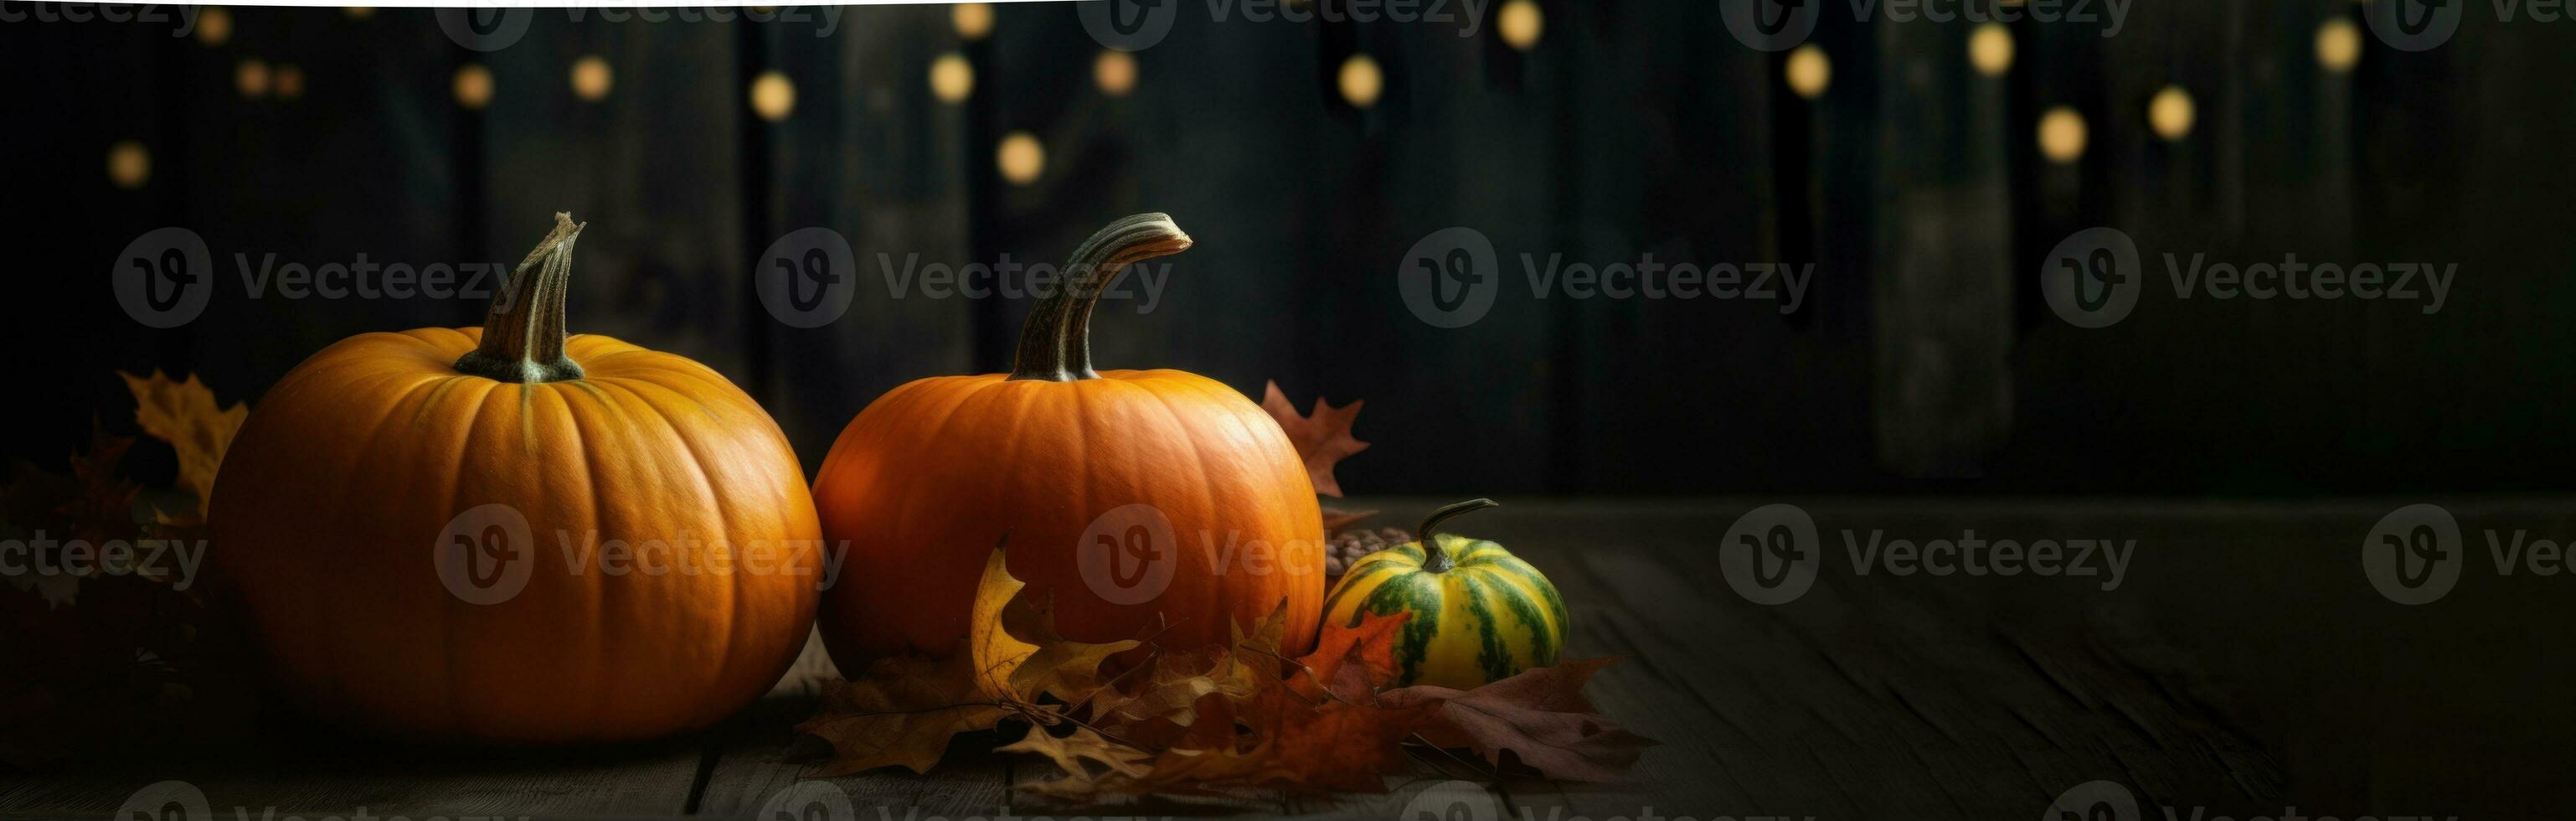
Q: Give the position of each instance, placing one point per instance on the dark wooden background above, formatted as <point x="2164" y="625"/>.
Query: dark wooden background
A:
<point x="1923" y="361"/>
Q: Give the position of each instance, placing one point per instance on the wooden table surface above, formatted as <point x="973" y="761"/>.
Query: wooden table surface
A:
<point x="2242" y="665"/>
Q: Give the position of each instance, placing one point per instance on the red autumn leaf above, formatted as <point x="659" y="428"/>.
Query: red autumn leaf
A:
<point x="1323" y="439"/>
<point x="1351" y="663"/>
<point x="1540" y="716"/>
<point x="1337" y="519"/>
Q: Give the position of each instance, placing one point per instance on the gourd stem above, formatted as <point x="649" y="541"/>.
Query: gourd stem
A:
<point x="523" y="333"/>
<point x="1055" y="342"/>
<point x="1434" y="559"/>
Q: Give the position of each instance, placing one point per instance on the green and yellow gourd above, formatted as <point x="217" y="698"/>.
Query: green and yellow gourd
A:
<point x="1479" y="614"/>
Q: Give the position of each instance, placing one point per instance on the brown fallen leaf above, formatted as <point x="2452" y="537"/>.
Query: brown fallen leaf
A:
<point x="1322" y="439"/>
<point x="902" y="713"/>
<point x="185" y="415"/>
<point x="1070" y="750"/>
<point x="1540" y="716"/>
<point x="1336" y="519"/>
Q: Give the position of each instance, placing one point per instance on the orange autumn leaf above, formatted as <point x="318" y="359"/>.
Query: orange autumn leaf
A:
<point x="1351" y="663"/>
<point x="1323" y="439"/>
<point x="185" y="415"/>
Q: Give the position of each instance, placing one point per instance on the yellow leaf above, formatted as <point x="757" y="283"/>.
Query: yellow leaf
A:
<point x="1060" y="667"/>
<point x="185" y="415"/>
<point x="996" y="654"/>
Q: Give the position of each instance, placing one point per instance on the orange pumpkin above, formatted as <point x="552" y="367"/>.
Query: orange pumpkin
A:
<point x="504" y="535"/>
<point x="1143" y="500"/>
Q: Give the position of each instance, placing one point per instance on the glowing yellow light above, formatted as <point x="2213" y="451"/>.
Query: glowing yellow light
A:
<point x="214" y="26"/>
<point x="1115" y="72"/>
<point x="1809" y="72"/>
<point x="1020" y="158"/>
<point x="288" y="81"/>
<point x="251" y="77"/>
<point x="591" y="78"/>
<point x="473" y="86"/>
<point x="2338" y="45"/>
<point x="973" y="20"/>
<point x="128" y="164"/>
<point x="1360" y="81"/>
<point x="358" y="12"/>
<point x="1990" y="49"/>
<point x="772" y="96"/>
<point x="1520" y="22"/>
<point x="2061" y="135"/>
<point x="951" y="77"/>
<point x="2170" y="113"/>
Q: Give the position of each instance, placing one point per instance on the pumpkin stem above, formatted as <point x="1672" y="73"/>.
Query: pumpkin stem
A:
<point x="1434" y="559"/>
<point x="523" y="333"/>
<point x="1055" y="342"/>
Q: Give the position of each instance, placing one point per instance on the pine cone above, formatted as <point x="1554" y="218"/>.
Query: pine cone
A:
<point x="1348" y="547"/>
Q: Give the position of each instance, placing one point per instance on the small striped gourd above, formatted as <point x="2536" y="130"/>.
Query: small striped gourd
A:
<point x="1479" y="614"/>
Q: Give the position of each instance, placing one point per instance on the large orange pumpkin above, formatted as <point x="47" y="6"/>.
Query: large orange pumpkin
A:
<point x="504" y="535"/>
<point x="1143" y="500"/>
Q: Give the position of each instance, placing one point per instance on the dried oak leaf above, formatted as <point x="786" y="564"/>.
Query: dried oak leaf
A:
<point x="1322" y="439"/>
<point x="904" y="711"/>
<point x="1070" y="750"/>
<point x="185" y="415"/>
<point x="1540" y="716"/>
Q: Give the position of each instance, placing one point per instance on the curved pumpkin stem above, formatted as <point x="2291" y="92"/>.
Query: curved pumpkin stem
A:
<point x="523" y="333"/>
<point x="1434" y="559"/>
<point x="1055" y="342"/>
